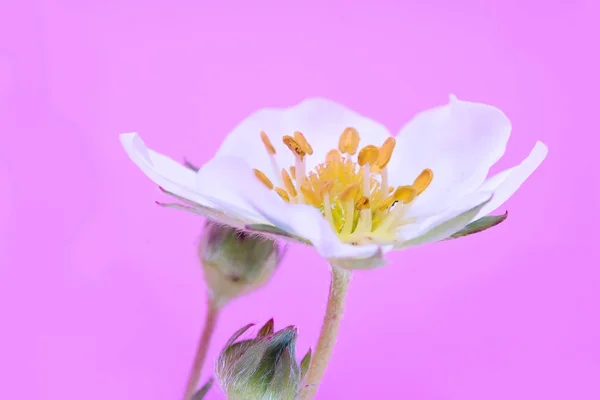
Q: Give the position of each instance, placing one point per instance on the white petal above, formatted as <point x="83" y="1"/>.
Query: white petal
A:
<point x="443" y="225"/>
<point x="226" y="182"/>
<point x="232" y="186"/>
<point x="210" y="187"/>
<point x="320" y="120"/>
<point x="506" y="183"/>
<point x="162" y="170"/>
<point x="459" y="142"/>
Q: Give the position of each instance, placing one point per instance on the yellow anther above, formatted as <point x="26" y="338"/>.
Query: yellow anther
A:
<point x="267" y="143"/>
<point x="405" y="194"/>
<point x="283" y="194"/>
<point x="287" y="182"/>
<point x="362" y="203"/>
<point x="301" y="140"/>
<point x="325" y="187"/>
<point x="390" y="190"/>
<point x="349" y="193"/>
<point x="386" y="203"/>
<point x="385" y="152"/>
<point x="368" y="154"/>
<point x="309" y="195"/>
<point x="263" y="178"/>
<point x="294" y="146"/>
<point x="333" y="155"/>
<point x="349" y="141"/>
<point x="293" y="172"/>
<point x="423" y="181"/>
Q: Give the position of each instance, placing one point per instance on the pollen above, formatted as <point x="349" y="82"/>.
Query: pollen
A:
<point x="386" y="203"/>
<point x="333" y="156"/>
<point x="264" y="179"/>
<point x="405" y="194"/>
<point x="349" y="193"/>
<point x="294" y="146"/>
<point x="385" y="152"/>
<point x="301" y="140"/>
<point x="363" y="203"/>
<point x="268" y="145"/>
<point x="423" y="181"/>
<point x="351" y="190"/>
<point x="288" y="183"/>
<point x="283" y="194"/>
<point x="349" y="141"/>
<point x="368" y="155"/>
<point x="309" y="195"/>
<point x="325" y="187"/>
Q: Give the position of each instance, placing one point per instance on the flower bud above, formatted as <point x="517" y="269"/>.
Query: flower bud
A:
<point x="261" y="368"/>
<point x="235" y="262"/>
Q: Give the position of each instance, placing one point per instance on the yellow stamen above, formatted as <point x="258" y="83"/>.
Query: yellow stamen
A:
<point x="327" y="210"/>
<point x="325" y="188"/>
<point x="283" y="194"/>
<point x="294" y="146"/>
<point x="300" y="171"/>
<point x="368" y="155"/>
<point x="348" y="217"/>
<point x="349" y="141"/>
<point x="423" y="180"/>
<point x="349" y="193"/>
<point x="386" y="203"/>
<point x="405" y="194"/>
<point x="362" y="203"/>
<point x="263" y="178"/>
<point x="314" y="180"/>
<point x="267" y="143"/>
<point x="365" y="222"/>
<point x="288" y="184"/>
<point x="333" y="155"/>
<point x="293" y="172"/>
<point x="392" y="216"/>
<point x="301" y="140"/>
<point x="309" y="195"/>
<point x="385" y="152"/>
<point x="384" y="181"/>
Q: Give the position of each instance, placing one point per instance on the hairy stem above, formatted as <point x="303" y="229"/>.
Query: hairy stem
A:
<point x="210" y="323"/>
<point x="338" y="289"/>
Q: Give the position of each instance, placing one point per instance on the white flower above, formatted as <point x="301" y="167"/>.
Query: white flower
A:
<point x="322" y="174"/>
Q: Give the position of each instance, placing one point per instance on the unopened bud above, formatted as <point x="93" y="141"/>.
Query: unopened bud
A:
<point x="264" y="367"/>
<point x="235" y="262"/>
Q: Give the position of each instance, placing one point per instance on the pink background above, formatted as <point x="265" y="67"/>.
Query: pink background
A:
<point x="101" y="296"/>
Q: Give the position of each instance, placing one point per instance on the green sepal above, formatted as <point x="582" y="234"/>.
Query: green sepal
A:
<point x="267" y="329"/>
<point x="305" y="363"/>
<point x="189" y="165"/>
<point x="269" y="230"/>
<point x="480" y="225"/>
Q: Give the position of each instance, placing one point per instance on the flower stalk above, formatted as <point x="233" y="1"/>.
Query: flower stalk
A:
<point x="210" y="323"/>
<point x="338" y="289"/>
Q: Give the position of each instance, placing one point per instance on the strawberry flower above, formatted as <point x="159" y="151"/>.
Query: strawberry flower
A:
<point x="324" y="175"/>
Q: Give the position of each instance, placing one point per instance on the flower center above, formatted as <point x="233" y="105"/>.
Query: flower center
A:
<point x="351" y="191"/>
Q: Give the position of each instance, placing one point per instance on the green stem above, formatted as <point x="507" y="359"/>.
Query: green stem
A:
<point x="340" y="278"/>
<point x="210" y="324"/>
